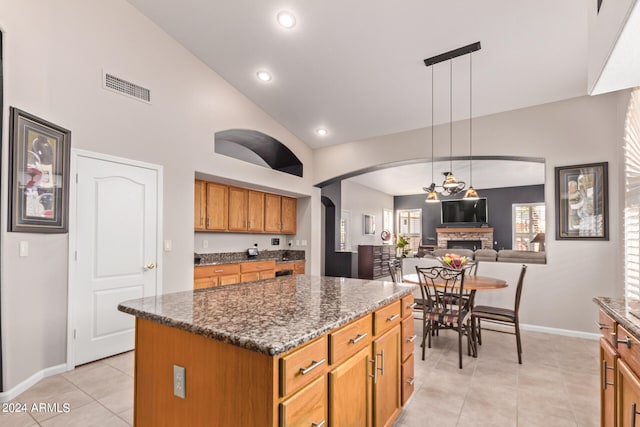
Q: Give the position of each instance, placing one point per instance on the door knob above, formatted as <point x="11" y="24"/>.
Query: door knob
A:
<point x="150" y="266"/>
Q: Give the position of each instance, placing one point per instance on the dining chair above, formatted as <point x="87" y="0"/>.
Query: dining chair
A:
<point x="395" y="270"/>
<point x="445" y="305"/>
<point x="503" y="316"/>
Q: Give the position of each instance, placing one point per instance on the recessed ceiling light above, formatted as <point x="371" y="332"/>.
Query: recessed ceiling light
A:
<point x="286" y="19"/>
<point x="322" y="132"/>
<point x="264" y="76"/>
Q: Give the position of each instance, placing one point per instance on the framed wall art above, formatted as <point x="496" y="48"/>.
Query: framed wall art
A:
<point x="582" y="202"/>
<point x="39" y="156"/>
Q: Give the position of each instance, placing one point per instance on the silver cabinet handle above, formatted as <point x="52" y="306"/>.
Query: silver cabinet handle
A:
<point x="604" y="375"/>
<point x="381" y="368"/>
<point x="314" y="365"/>
<point x="627" y="341"/>
<point x="633" y="415"/>
<point x="411" y="339"/>
<point x="601" y="325"/>
<point x="374" y="361"/>
<point x="392" y="318"/>
<point x="412" y="305"/>
<point x="411" y="380"/>
<point x="208" y="221"/>
<point x="320" y="424"/>
<point x="358" y="338"/>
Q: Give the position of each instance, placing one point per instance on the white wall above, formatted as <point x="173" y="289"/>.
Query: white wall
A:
<point x="54" y="56"/>
<point x="581" y="130"/>
<point x="359" y="200"/>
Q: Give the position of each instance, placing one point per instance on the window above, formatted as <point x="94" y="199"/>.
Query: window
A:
<point x="632" y="198"/>
<point x="410" y="226"/>
<point x="344" y="243"/>
<point x="528" y="222"/>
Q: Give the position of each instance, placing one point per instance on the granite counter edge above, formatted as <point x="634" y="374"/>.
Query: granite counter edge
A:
<point x="269" y="349"/>
<point x="615" y="314"/>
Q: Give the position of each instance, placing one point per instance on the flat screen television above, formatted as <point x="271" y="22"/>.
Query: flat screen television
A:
<point x="464" y="211"/>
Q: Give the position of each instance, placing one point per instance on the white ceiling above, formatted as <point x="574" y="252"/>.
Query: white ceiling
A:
<point x="355" y="67"/>
<point x="410" y="179"/>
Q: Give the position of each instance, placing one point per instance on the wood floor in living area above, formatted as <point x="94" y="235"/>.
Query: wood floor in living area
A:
<point x="556" y="386"/>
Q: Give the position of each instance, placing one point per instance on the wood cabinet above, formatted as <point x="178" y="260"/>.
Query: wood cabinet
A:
<point x="223" y="208"/>
<point x="205" y="276"/>
<point x="373" y="261"/>
<point x="407" y="346"/>
<point x="345" y="377"/>
<point x="200" y="205"/>
<point x="217" y="207"/>
<point x="608" y="383"/>
<point x="257" y="270"/>
<point x="238" y="202"/>
<point x="280" y="214"/>
<point x="255" y="211"/>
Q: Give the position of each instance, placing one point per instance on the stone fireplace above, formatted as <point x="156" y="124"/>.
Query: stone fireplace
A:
<point x="481" y="235"/>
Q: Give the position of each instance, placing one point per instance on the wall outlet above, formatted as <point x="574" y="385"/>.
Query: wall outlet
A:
<point x="24" y="248"/>
<point x="205" y="244"/>
<point x="179" y="381"/>
<point x="275" y="241"/>
<point x="168" y="245"/>
<point x="303" y="242"/>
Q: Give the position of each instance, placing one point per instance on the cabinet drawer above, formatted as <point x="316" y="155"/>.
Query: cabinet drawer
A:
<point x="303" y="366"/>
<point x="408" y="379"/>
<point x="408" y="305"/>
<point x="305" y="408"/>
<point x="607" y="327"/>
<point x="386" y="317"/>
<point x="408" y="337"/>
<point x="215" y="270"/>
<point x="630" y="352"/>
<point x="349" y="339"/>
<point x="249" y="267"/>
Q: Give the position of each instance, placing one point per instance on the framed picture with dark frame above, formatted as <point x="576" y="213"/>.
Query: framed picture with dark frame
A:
<point x="368" y="224"/>
<point x="39" y="156"/>
<point x="582" y="202"/>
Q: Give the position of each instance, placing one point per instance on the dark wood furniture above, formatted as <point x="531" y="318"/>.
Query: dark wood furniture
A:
<point x="373" y="260"/>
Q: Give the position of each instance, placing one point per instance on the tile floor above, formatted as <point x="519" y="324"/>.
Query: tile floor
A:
<point x="556" y="386"/>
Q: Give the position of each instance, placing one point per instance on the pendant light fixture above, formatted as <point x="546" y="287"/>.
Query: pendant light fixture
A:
<point x="432" y="194"/>
<point x="471" y="193"/>
<point x="450" y="185"/>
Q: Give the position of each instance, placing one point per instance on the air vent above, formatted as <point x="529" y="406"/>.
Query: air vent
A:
<point x="127" y="88"/>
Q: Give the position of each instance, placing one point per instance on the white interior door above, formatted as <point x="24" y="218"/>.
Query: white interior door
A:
<point x="116" y="245"/>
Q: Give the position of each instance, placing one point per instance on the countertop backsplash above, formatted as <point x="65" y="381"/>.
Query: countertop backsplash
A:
<point x="279" y="255"/>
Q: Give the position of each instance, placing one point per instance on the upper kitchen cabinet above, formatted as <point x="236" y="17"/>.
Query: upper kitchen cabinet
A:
<point x="280" y="214"/>
<point x="255" y="211"/>
<point x="220" y="207"/>
<point x="289" y="215"/>
<point x="238" y="201"/>
<point x="217" y="207"/>
<point x="200" y="205"/>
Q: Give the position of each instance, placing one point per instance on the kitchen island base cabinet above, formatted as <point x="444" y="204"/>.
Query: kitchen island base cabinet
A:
<point x="608" y="383"/>
<point x="628" y="396"/>
<point x="332" y="379"/>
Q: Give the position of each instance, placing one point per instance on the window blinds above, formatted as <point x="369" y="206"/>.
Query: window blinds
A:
<point x="632" y="198"/>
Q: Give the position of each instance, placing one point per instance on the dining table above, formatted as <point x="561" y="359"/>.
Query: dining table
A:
<point x="472" y="283"/>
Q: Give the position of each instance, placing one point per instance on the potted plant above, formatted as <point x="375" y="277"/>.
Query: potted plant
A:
<point x="402" y="243"/>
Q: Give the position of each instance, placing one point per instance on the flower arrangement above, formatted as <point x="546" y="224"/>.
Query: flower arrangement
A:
<point x="453" y="261"/>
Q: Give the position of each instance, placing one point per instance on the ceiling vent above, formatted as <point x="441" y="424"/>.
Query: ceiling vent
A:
<point x="124" y="87"/>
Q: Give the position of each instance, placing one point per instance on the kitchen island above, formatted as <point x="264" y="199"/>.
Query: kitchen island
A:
<point x="294" y="350"/>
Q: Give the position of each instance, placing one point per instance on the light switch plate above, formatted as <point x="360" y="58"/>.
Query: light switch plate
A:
<point x="168" y="245"/>
<point x="24" y="248"/>
<point x="179" y="381"/>
<point x="205" y="244"/>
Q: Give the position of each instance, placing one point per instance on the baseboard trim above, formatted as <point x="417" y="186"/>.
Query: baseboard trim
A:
<point x="8" y="395"/>
<point x="557" y="331"/>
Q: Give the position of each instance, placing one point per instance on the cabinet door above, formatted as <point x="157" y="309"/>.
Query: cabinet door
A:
<point x="408" y="379"/>
<point x="608" y="379"/>
<point x="386" y="384"/>
<point x="289" y="215"/>
<point x="250" y="277"/>
<point x="305" y="408"/>
<point x="199" y="205"/>
<point x="229" y="279"/>
<point x="217" y="206"/>
<point x="269" y="274"/>
<point x="272" y="215"/>
<point x="255" y="211"/>
<point x="237" y="209"/>
<point x="205" y="282"/>
<point x="298" y="267"/>
<point x="628" y="396"/>
<point x="350" y="392"/>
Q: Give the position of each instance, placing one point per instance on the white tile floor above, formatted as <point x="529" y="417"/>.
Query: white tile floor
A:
<point x="556" y="386"/>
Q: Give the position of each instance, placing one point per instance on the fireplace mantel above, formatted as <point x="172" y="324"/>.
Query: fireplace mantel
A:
<point x="484" y="234"/>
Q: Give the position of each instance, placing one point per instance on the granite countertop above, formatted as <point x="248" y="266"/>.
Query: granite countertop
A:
<point x="624" y="311"/>
<point x="280" y="256"/>
<point x="269" y="316"/>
